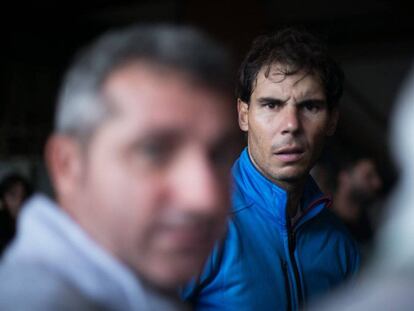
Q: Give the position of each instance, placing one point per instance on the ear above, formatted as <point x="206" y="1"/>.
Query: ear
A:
<point x="64" y="161"/>
<point x="333" y="121"/>
<point x="243" y="113"/>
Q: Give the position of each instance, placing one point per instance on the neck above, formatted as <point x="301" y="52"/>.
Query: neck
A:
<point x="294" y="194"/>
<point x="294" y="191"/>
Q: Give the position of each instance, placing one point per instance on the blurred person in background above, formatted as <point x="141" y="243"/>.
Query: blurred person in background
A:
<point x="139" y="160"/>
<point x="388" y="281"/>
<point x="14" y="191"/>
<point x="284" y="247"/>
<point x="358" y="185"/>
<point x="354" y="183"/>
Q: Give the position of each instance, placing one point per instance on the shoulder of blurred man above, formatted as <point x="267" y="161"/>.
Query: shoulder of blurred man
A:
<point x="52" y="264"/>
<point x="30" y="287"/>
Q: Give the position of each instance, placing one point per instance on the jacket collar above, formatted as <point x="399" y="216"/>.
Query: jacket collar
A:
<point x="251" y="187"/>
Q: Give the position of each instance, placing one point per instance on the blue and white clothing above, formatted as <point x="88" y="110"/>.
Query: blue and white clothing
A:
<point x="265" y="263"/>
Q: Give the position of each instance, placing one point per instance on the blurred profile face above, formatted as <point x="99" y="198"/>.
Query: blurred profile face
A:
<point x="154" y="181"/>
<point x="13" y="198"/>
<point x="287" y="121"/>
<point x="364" y="180"/>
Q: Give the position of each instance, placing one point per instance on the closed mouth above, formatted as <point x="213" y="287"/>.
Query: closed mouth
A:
<point x="289" y="154"/>
<point x="290" y="150"/>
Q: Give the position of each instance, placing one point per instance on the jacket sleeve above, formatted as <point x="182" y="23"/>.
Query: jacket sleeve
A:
<point x="355" y="260"/>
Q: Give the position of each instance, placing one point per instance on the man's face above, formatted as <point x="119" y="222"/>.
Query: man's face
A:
<point x="287" y="121"/>
<point x="155" y="180"/>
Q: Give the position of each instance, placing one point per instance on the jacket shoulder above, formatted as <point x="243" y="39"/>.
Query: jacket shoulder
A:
<point x="336" y="231"/>
<point x="34" y="287"/>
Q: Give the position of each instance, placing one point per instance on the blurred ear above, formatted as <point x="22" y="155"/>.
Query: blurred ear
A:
<point x="333" y="121"/>
<point x="64" y="161"/>
<point x="243" y="112"/>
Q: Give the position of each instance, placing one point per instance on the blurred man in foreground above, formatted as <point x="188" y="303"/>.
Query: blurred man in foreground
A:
<point x="139" y="159"/>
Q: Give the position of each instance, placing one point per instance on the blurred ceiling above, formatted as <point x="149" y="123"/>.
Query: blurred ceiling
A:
<point x="372" y="39"/>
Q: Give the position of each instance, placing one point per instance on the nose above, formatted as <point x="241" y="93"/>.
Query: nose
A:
<point x="196" y="186"/>
<point x="290" y="120"/>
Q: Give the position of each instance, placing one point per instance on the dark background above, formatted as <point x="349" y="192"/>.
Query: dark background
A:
<point x="373" y="40"/>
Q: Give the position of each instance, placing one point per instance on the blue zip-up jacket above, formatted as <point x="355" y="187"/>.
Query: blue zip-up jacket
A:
<point x="263" y="264"/>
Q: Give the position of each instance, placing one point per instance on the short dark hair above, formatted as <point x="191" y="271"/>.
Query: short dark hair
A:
<point x="299" y="50"/>
<point x="80" y="107"/>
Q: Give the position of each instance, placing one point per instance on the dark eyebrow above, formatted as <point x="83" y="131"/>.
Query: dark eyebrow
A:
<point x="266" y="100"/>
<point x="171" y="136"/>
<point x="167" y="135"/>
<point x="319" y="102"/>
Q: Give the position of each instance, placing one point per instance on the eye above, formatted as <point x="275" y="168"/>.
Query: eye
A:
<point x="271" y="104"/>
<point x="155" y="151"/>
<point x="312" y="106"/>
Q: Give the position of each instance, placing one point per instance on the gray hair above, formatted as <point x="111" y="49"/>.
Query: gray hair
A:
<point x="81" y="108"/>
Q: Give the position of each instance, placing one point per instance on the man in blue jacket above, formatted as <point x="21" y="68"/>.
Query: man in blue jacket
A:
<point x="283" y="247"/>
